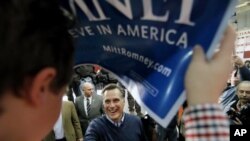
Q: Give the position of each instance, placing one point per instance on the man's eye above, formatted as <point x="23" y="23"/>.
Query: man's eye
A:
<point x="241" y="91"/>
<point x="116" y="100"/>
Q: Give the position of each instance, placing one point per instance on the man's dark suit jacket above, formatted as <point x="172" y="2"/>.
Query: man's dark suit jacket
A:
<point x="96" y="109"/>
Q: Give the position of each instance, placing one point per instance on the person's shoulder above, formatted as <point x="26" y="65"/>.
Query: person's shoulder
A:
<point x="98" y="121"/>
<point x="79" y="98"/>
<point x="133" y="120"/>
<point x="68" y="103"/>
<point x="98" y="126"/>
<point x="131" y="117"/>
<point x="98" y="96"/>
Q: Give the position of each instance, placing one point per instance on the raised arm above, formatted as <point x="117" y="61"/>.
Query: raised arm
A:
<point x="204" y="82"/>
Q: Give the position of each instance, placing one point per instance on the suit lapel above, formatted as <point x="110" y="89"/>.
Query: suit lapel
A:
<point x="82" y="106"/>
<point x="64" y="113"/>
<point x="93" y="102"/>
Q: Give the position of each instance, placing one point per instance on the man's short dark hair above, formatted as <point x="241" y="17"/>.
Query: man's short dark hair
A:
<point x="113" y="86"/>
<point x="33" y="36"/>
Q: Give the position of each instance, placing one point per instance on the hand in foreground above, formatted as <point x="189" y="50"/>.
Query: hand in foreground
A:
<point x="205" y="79"/>
<point x="81" y="139"/>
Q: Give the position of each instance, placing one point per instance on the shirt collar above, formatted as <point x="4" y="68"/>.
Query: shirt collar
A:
<point x="117" y="124"/>
<point x="85" y="98"/>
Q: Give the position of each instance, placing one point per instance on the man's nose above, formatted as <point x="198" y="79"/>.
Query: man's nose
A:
<point x="244" y="93"/>
<point x="112" y="104"/>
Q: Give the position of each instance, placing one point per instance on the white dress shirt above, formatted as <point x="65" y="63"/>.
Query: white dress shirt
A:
<point x="85" y="103"/>
<point x="58" y="128"/>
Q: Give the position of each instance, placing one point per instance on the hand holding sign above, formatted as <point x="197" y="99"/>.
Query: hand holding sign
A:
<point x="213" y="72"/>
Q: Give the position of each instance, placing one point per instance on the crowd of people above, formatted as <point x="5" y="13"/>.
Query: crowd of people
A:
<point x="235" y="99"/>
<point x="89" y="105"/>
<point x="34" y="36"/>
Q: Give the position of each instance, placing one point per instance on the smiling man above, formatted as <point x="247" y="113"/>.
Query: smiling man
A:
<point x="115" y="125"/>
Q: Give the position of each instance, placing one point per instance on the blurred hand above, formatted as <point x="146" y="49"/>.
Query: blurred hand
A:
<point x="205" y="79"/>
<point x="81" y="139"/>
<point x="237" y="121"/>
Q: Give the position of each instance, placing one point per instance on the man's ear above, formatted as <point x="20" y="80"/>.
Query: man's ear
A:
<point x="40" y="86"/>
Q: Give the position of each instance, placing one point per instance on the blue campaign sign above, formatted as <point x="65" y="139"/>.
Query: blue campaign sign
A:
<point x="147" y="43"/>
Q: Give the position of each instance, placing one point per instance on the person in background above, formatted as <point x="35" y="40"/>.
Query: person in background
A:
<point x="181" y="128"/>
<point x="73" y="88"/>
<point x="247" y="64"/>
<point x="240" y="73"/>
<point x="88" y="105"/>
<point x="67" y="127"/>
<point x="149" y="127"/>
<point x="244" y="71"/>
<point x="133" y="106"/>
<point x="36" y="57"/>
<point x="170" y="133"/>
<point x="115" y="125"/>
<point x="239" y="111"/>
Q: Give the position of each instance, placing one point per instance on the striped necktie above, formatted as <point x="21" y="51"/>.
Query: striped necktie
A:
<point x="88" y="106"/>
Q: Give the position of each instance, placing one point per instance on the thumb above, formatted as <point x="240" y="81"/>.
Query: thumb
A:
<point x="198" y="54"/>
